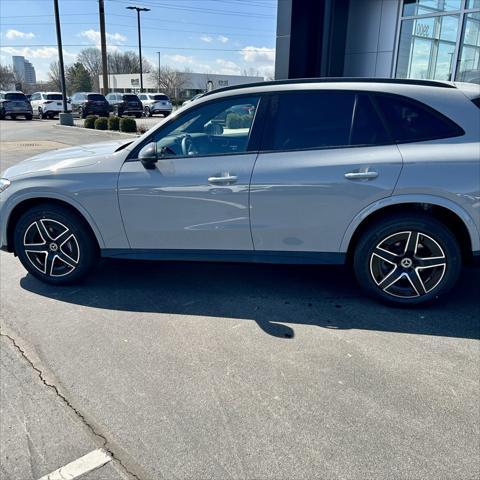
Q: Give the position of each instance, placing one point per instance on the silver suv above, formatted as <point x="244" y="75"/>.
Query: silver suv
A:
<point x="382" y="175"/>
<point x="155" y="103"/>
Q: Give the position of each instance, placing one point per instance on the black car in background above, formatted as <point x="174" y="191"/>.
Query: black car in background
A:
<point x="14" y="104"/>
<point x="125" y="104"/>
<point x="84" y="103"/>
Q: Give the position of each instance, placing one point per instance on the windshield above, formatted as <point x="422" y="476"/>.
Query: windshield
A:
<point x="95" y="97"/>
<point x="15" y="96"/>
<point x="54" y="96"/>
<point x="130" y="98"/>
<point x="160" y="97"/>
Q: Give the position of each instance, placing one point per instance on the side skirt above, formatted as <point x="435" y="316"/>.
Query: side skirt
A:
<point x="293" y="258"/>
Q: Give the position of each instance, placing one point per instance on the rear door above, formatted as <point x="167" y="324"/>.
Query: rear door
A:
<point x="326" y="155"/>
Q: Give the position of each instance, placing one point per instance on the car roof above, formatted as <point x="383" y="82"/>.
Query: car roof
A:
<point x="331" y="82"/>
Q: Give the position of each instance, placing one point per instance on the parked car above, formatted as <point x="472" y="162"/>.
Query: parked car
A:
<point x="196" y="97"/>
<point x="86" y="103"/>
<point x="381" y="175"/>
<point x="155" y="103"/>
<point x="48" y="104"/>
<point x="14" y="104"/>
<point x="125" y="104"/>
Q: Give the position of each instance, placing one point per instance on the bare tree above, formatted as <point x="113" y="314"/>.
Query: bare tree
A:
<point x="7" y="77"/>
<point x="54" y="81"/>
<point x="170" y="81"/>
<point x="127" y="62"/>
<point x="91" y="59"/>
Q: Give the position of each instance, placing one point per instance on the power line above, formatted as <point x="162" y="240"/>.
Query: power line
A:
<point x="252" y="49"/>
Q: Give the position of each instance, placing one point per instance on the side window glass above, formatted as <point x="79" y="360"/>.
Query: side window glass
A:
<point x="411" y="121"/>
<point x="367" y="128"/>
<point x="309" y="120"/>
<point x="217" y="128"/>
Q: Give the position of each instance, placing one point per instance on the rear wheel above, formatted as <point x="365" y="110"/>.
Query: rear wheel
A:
<point x="407" y="260"/>
<point x="147" y="112"/>
<point x="138" y="115"/>
<point x="54" y="244"/>
<point x="28" y="116"/>
<point x="13" y="117"/>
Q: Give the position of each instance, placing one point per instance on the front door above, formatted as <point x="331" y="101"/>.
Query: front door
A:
<point x="196" y="197"/>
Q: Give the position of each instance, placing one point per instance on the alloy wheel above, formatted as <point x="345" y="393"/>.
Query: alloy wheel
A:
<point x="408" y="264"/>
<point x="51" y="247"/>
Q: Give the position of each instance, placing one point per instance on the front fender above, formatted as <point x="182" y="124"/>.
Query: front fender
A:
<point x="413" y="198"/>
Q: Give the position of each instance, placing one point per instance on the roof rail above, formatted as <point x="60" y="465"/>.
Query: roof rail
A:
<point x="297" y="81"/>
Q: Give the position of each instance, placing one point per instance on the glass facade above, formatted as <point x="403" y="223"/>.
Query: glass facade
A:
<point x="440" y="40"/>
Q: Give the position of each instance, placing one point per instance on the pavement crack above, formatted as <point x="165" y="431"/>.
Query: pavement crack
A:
<point x="90" y="427"/>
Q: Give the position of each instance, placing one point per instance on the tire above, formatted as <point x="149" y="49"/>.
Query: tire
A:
<point x="83" y="113"/>
<point x="13" y="117"/>
<point x="28" y="116"/>
<point x="407" y="260"/>
<point x="40" y="113"/>
<point x="147" y="112"/>
<point x="166" y="114"/>
<point x="138" y="115"/>
<point x="2" y="115"/>
<point x="55" y="245"/>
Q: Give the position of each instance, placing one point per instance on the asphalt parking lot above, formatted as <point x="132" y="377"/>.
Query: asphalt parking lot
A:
<point x="211" y="371"/>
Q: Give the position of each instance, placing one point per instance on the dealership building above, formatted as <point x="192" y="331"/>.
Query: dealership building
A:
<point x="421" y="39"/>
<point x="190" y="84"/>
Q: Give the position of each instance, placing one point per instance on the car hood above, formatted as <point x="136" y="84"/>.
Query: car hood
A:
<point x="71" y="157"/>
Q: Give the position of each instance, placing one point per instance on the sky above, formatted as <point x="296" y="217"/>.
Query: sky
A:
<point x="214" y="36"/>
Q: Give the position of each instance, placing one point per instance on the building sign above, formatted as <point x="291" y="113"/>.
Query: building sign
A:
<point x="422" y="30"/>
<point x="223" y="83"/>
<point x="135" y="82"/>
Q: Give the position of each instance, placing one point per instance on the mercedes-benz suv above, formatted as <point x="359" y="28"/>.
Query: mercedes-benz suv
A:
<point x="382" y="175"/>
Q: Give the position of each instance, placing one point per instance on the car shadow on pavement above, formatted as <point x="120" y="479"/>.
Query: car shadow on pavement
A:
<point x="271" y="295"/>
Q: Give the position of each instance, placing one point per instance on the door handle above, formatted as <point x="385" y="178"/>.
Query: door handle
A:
<point x="361" y="175"/>
<point x="227" y="179"/>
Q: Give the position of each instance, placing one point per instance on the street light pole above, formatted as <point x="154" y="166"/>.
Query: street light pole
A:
<point x="139" y="9"/>
<point x="159" y="71"/>
<point x="65" y="118"/>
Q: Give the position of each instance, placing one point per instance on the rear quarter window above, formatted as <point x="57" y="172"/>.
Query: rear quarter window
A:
<point x="412" y="121"/>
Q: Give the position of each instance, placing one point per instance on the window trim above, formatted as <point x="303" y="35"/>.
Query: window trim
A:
<point x="254" y="139"/>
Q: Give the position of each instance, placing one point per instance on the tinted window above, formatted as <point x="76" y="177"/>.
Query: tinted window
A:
<point x="130" y="98"/>
<point x="411" y="121"/>
<point x="367" y="128"/>
<point x="211" y="129"/>
<point x="95" y="97"/>
<point x="159" y="97"/>
<point x="476" y="101"/>
<point x="15" y="96"/>
<point x="308" y="120"/>
<point x="54" y="96"/>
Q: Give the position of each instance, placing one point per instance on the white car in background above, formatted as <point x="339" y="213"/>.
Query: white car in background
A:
<point x="48" y="104"/>
<point x="155" y="103"/>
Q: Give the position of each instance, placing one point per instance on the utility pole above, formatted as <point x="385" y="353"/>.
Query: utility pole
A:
<point x="159" y="71"/>
<point x="65" y="117"/>
<point x="103" y="42"/>
<point x="139" y="9"/>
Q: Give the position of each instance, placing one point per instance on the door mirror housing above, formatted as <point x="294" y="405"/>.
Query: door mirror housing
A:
<point x="148" y="155"/>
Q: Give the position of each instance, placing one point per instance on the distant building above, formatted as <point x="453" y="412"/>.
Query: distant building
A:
<point x="192" y="83"/>
<point x="24" y="70"/>
<point x="421" y="39"/>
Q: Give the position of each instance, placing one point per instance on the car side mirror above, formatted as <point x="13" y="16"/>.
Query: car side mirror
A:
<point x="212" y="128"/>
<point x="148" y="155"/>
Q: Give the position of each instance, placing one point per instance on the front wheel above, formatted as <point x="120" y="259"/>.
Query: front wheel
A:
<point x="407" y="260"/>
<point x="147" y="112"/>
<point x="55" y="245"/>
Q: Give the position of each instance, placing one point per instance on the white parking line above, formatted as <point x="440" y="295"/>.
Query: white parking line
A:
<point x="79" y="467"/>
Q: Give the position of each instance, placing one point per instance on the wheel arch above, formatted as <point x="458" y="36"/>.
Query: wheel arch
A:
<point x="455" y="219"/>
<point x="28" y="203"/>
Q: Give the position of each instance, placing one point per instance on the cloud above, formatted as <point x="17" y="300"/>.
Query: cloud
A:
<point x="206" y="39"/>
<point x="222" y="39"/>
<point x="179" y="58"/>
<point x="94" y="36"/>
<point x="258" y="54"/>
<point x="227" y="67"/>
<point x="15" y="34"/>
<point x="41" y="52"/>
